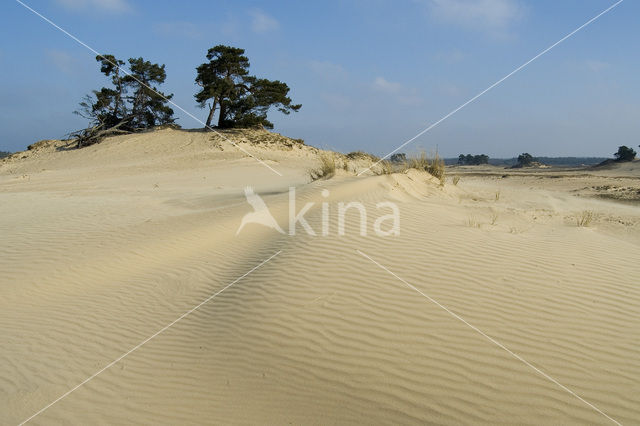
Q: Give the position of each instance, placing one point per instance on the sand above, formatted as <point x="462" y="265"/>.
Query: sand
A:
<point x="103" y="247"/>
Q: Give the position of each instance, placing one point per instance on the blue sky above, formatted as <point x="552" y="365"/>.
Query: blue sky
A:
<point x="369" y="74"/>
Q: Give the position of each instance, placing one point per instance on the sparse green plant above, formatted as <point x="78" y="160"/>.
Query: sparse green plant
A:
<point x="456" y="179"/>
<point x="585" y="218"/>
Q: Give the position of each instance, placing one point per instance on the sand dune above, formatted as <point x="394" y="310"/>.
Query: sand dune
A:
<point x="103" y="247"/>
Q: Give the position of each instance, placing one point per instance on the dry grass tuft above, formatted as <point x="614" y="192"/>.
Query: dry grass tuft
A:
<point x="456" y="179"/>
<point x="585" y="218"/>
<point x="434" y="166"/>
<point x="386" y="168"/>
<point x="494" y="218"/>
<point x="473" y="223"/>
<point x="327" y="167"/>
<point x="497" y="196"/>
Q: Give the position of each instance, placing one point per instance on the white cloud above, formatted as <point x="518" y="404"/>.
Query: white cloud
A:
<point x="261" y="22"/>
<point x="402" y="94"/>
<point x="386" y="86"/>
<point x="62" y="60"/>
<point x="113" y="6"/>
<point x="493" y="16"/>
<point x="336" y="101"/>
<point x="597" y="66"/>
<point x="328" y="70"/>
<point x="179" y="29"/>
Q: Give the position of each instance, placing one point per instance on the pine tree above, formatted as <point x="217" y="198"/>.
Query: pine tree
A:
<point x="134" y="101"/>
<point x="241" y="100"/>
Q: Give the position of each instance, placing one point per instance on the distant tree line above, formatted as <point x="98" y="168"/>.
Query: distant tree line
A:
<point x="134" y="102"/>
<point x="473" y="160"/>
<point x="4" y="154"/>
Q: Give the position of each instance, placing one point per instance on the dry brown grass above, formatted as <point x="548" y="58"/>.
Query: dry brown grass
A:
<point x="327" y="167"/>
<point x="585" y="218"/>
<point x="434" y="165"/>
<point x="386" y="167"/>
<point x="456" y="179"/>
<point x="472" y="222"/>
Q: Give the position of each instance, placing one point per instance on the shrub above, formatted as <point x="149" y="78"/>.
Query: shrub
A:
<point x="359" y="155"/>
<point x="525" y="159"/>
<point x="399" y="157"/>
<point x="625" y="154"/>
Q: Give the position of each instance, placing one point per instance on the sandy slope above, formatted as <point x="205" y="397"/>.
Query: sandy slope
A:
<point x="103" y="247"/>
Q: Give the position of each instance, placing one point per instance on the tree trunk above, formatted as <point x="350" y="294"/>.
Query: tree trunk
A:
<point x="212" y="110"/>
<point x="223" y="113"/>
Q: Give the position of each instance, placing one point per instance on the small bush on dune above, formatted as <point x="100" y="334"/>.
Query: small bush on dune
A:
<point x="360" y="155"/>
<point x="434" y="166"/>
<point x="386" y="167"/>
<point x="327" y="167"/>
<point x="585" y="218"/>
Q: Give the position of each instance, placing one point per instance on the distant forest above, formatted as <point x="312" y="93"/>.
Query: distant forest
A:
<point x="551" y="161"/>
<point x="4" y="154"/>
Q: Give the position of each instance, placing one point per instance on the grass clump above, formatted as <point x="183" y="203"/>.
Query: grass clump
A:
<point x="456" y="179"/>
<point x="434" y="166"/>
<point x="327" y="167"/>
<point x="386" y="168"/>
<point x="473" y="223"/>
<point x="585" y="218"/>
